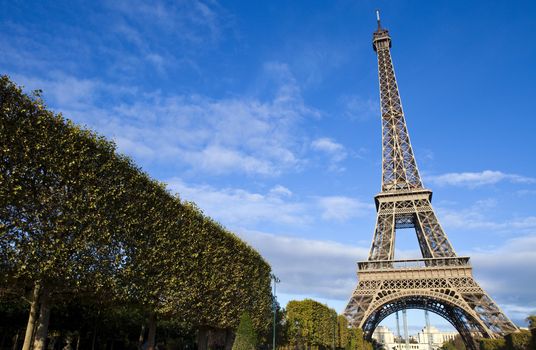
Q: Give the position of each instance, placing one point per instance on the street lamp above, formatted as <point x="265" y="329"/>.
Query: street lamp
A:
<point x="274" y="306"/>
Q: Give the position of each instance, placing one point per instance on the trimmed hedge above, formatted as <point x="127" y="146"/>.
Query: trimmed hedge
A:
<point x="519" y="341"/>
<point x="80" y="221"/>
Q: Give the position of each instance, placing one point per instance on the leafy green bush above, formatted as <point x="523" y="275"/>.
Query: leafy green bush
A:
<point x="518" y="341"/>
<point x="492" y="344"/>
<point x="246" y="338"/>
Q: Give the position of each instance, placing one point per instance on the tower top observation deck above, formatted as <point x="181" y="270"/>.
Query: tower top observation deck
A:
<point x="380" y="38"/>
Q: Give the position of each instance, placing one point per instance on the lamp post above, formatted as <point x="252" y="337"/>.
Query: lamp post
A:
<point x="274" y="306"/>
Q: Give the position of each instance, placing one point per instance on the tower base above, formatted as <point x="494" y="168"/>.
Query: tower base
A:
<point x="444" y="286"/>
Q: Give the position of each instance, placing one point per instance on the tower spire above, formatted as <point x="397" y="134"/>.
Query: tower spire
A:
<point x="378" y="19"/>
<point x="399" y="168"/>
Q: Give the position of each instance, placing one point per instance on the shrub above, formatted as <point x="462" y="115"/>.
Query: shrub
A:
<point x="492" y="344"/>
<point x="518" y="341"/>
<point x="246" y="339"/>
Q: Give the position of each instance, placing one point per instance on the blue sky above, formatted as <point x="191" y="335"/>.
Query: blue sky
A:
<point x="267" y="115"/>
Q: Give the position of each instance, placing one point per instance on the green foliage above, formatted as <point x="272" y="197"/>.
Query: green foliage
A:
<point x="454" y="344"/>
<point x="246" y="338"/>
<point x="356" y="340"/>
<point x="449" y="346"/>
<point x="532" y="321"/>
<point x="312" y="324"/>
<point x="86" y="223"/>
<point x="532" y="327"/>
<point x="343" y="336"/>
<point x="492" y="344"/>
<point x="519" y="340"/>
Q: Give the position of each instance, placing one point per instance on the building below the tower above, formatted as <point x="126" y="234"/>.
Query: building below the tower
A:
<point x="419" y="341"/>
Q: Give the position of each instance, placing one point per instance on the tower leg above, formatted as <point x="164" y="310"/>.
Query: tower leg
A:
<point x="428" y="331"/>
<point x="398" y="340"/>
<point x="405" y="320"/>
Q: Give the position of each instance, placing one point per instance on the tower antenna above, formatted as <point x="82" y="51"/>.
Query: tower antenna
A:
<point x="378" y="18"/>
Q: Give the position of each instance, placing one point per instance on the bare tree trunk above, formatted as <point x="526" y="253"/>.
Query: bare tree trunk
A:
<point x="31" y="318"/>
<point x="202" y="338"/>
<point x="41" y="332"/>
<point x="142" y="335"/>
<point x="229" y="339"/>
<point x="152" y="331"/>
<point x="3" y="340"/>
<point x="94" y="337"/>
<point x="78" y="341"/>
<point x="15" y="340"/>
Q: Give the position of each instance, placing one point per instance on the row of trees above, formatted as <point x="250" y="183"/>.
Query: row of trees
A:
<point x="309" y="324"/>
<point x="523" y="340"/>
<point x="84" y="229"/>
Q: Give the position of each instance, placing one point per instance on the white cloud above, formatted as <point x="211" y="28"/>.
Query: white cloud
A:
<point x="329" y="146"/>
<point x="190" y="21"/>
<point x="315" y="268"/>
<point x="326" y="269"/>
<point x="474" y="218"/>
<point x="229" y="135"/>
<point x="234" y="206"/>
<point x="357" y="108"/>
<point x="281" y="191"/>
<point x="340" y="208"/>
<point x="507" y="273"/>
<point x="335" y="151"/>
<point x="526" y="192"/>
<point x="475" y="179"/>
<point x="240" y="207"/>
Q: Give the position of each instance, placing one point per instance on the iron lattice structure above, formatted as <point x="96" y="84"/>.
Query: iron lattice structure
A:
<point x="441" y="282"/>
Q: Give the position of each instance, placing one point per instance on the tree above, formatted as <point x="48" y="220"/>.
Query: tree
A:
<point x="492" y="344"/>
<point x="312" y="324"/>
<point x="343" y="337"/>
<point x="519" y="340"/>
<point x="81" y="223"/>
<point x="246" y="338"/>
<point x="456" y="343"/>
<point x="532" y="321"/>
<point x="53" y="234"/>
<point x="357" y="341"/>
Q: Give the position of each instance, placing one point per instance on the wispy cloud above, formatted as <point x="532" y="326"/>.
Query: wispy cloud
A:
<point x="356" y="107"/>
<point x="476" y="217"/>
<point x="326" y="269"/>
<point x="243" y="208"/>
<point x="235" y="206"/>
<point x="312" y="267"/>
<point x="335" y="151"/>
<point x="476" y="179"/>
<point x="123" y="40"/>
<point x="507" y="273"/>
<point x="193" y="21"/>
<point x="340" y="208"/>
<point x="230" y="135"/>
<point x="526" y="192"/>
<point x="148" y="28"/>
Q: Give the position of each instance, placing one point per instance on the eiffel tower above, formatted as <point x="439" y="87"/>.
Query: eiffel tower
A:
<point x="440" y="282"/>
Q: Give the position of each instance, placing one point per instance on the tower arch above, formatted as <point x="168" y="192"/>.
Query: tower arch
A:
<point x="464" y="320"/>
